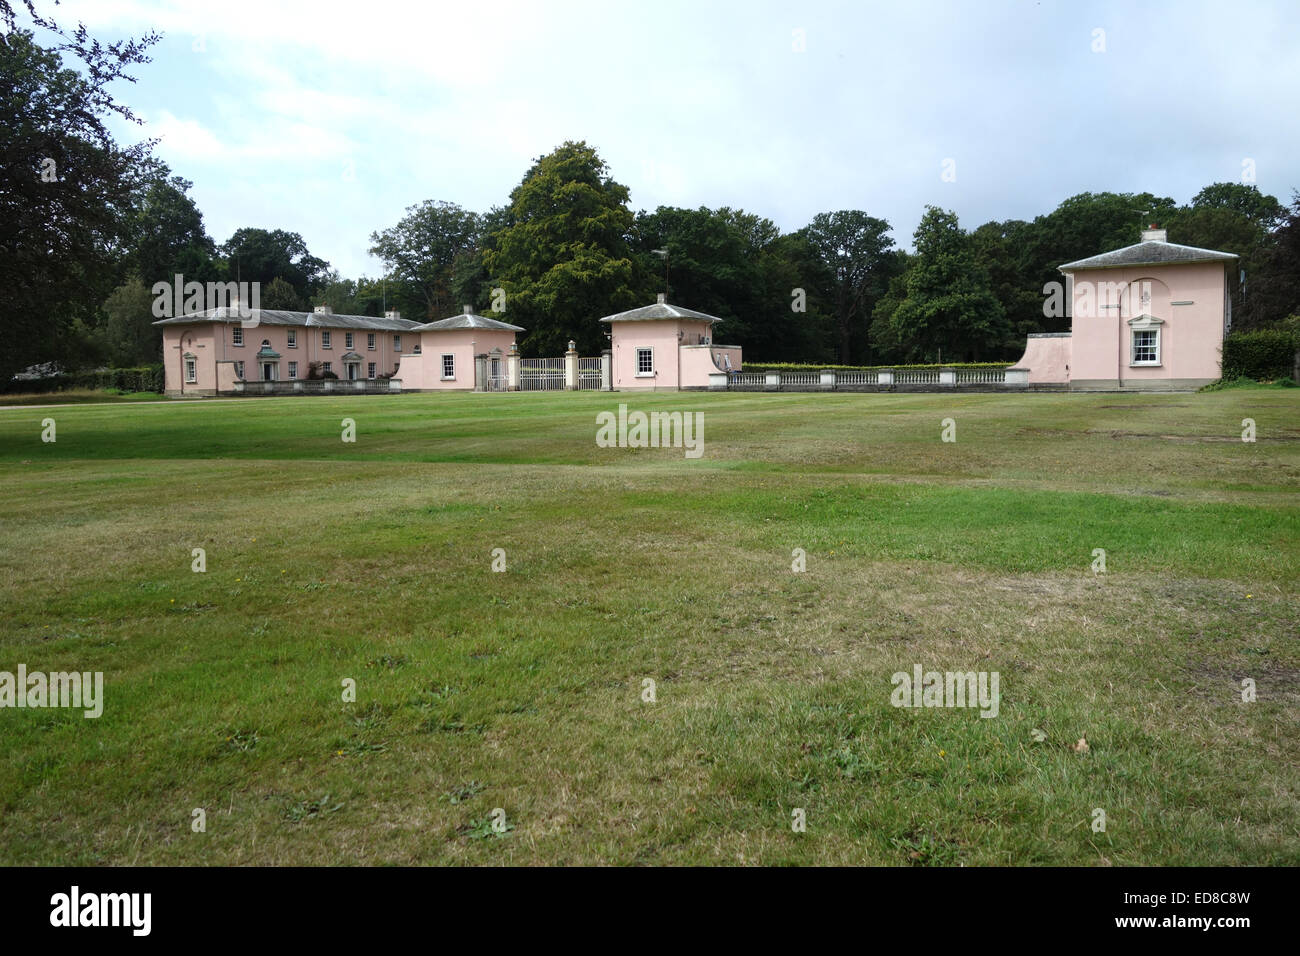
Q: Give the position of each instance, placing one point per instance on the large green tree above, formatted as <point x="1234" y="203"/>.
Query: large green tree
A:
<point x="263" y="255"/>
<point x="167" y="236"/>
<point x="997" y="248"/>
<point x="66" y="188"/>
<point x="949" y="311"/>
<point x="1237" y="218"/>
<point x="1273" y="291"/>
<point x="562" y="255"/>
<point x="857" y="256"/>
<point x="422" y="251"/>
<point x="131" y="337"/>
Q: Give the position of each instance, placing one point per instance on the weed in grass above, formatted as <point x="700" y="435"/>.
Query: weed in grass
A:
<point x="486" y="828"/>
<point x="432" y="695"/>
<point x="304" y="810"/>
<point x="925" y="850"/>
<point x="357" y="748"/>
<point x="371" y="716"/>
<point x="240" y="741"/>
<point x="454" y="724"/>
<point x="389" y="661"/>
<point x="464" y="792"/>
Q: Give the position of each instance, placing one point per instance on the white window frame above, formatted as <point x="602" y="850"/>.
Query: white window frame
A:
<point x="191" y="371"/>
<point x="239" y="369"/>
<point x="1154" y="346"/>
<point x="347" y="341"/>
<point x="646" y="351"/>
<point x="443" y="360"/>
<point x="237" y="337"/>
<point x="1142" y="324"/>
<point x="327" y="366"/>
<point x="397" y="343"/>
<point x="293" y="370"/>
<point x="370" y="370"/>
<point x="325" y="339"/>
<point x="293" y="339"/>
<point x="370" y="342"/>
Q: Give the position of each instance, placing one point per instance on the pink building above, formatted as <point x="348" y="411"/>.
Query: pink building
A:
<point x="216" y="352"/>
<point x="446" y="350"/>
<point x="1150" y="316"/>
<point x="664" y="346"/>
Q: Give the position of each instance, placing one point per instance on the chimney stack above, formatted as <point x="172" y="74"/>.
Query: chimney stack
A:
<point x="392" y="314"/>
<point x="469" y="310"/>
<point x="323" y="310"/>
<point x="1153" y="234"/>
<point x="663" y="298"/>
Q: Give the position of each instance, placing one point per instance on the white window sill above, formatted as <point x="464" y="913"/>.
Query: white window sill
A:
<point x="446" y="378"/>
<point x="1144" y="365"/>
<point x="645" y="374"/>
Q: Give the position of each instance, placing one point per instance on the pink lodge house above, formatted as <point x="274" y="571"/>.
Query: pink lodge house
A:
<point x="1150" y="316"/>
<point x="466" y="351"/>
<point x="664" y="346"/>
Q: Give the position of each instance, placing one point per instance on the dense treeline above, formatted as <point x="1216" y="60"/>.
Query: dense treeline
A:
<point x="88" y="226"/>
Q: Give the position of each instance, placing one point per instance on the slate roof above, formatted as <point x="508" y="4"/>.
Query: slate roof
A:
<point x="467" y="320"/>
<point x="1150" y="253"/>
<point x="325" y="320"/>
<point x="660" y="310"/>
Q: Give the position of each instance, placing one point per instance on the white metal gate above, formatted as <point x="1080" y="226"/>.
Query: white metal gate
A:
<point x="589" y="373"/>
<point x="542" y="375"/>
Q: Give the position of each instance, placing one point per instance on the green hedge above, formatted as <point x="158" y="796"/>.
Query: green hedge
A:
<point x="1264" y="355"/>
<point x="147" y="378"/>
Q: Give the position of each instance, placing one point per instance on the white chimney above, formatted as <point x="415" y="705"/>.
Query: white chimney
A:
<point x="469" y="310"/>
<point x="1154" y="235"/>
<point x="323" y="310"/>
<point x="663" y="298"/>
<point x="392" y="314"/>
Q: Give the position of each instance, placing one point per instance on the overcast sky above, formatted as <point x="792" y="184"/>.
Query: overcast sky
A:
<point x="329" y="118"/>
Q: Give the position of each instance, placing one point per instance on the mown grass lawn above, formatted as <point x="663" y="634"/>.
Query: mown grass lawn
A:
<point x="523" y="690"/>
